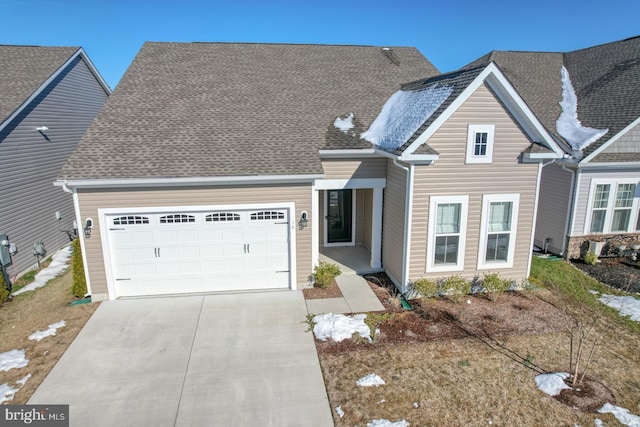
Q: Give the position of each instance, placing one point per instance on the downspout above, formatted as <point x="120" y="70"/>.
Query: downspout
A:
<point x="571" y="207"/>
<point x="83" y="249"/>
<point x="535" y="212"/>
<point x="408" y="215"/>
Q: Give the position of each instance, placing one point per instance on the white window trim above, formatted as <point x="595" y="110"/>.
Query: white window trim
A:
<point x="471" y="140"/>
<point x="613" y="190"/>
<point x="431" y="241"/>
<point x="487" y="199"/>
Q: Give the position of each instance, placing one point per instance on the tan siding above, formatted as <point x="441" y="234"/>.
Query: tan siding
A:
<point x="347" y="168"/>
<point x="451" y="176"/>
<point x="91" y="201"/>
<point x="627" y="143"/>
<point x="368" y="220"/>
<point x="393" y="219"/>
<point x="553" y="207"/>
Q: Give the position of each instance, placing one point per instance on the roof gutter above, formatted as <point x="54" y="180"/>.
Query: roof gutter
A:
<point x="185" y="181"/>
<point x="406" y="249"/>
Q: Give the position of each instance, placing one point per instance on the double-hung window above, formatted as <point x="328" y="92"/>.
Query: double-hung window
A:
<point x="613" y="208"/>
<point x="498" y="230"/>
<point x="447" y="233"/>
<point x="480" y="143"/>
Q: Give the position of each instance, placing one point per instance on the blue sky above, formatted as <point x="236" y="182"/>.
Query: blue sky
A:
<point x="449" y="33"/>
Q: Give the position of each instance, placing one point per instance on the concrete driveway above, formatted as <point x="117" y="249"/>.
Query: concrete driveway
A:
<point x="212" y="360"/>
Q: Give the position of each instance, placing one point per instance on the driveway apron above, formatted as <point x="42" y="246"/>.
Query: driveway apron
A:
<point x="206" y="360"/>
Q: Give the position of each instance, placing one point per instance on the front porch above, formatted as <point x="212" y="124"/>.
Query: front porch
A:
<point x="355" y="259"/>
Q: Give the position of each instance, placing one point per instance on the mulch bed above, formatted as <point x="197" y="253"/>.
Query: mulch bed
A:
<point x="513" y="313"/>
<point x="333" y="291"/>
<point x="619" y="272"/>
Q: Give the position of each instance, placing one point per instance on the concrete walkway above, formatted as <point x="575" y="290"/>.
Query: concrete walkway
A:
<point x="357" y="297"/>
<point x="212" y="360"/>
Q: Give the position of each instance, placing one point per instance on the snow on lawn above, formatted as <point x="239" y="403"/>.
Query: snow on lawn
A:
<point x="58" y="265"/>
<point x="621" y="414"/>
<point x="403" y="114"/>
<point x="552" y="383"/>
<point x="37" y="336"/>
<point x="387" y="423"/>
<point x="370" y="381"/>
<point x="346" y="124"/>
<point x="7" y="393"/>
<point x="568" y="124"/>
<point x="339" y="327"/>
<point x="12" y="359"/>
<point x="627" y="306"/>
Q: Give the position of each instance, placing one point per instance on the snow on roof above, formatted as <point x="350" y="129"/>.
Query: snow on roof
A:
<point x="346" y="124"/>
<point x="403" y="114"/>
<point x="568" y="125"/>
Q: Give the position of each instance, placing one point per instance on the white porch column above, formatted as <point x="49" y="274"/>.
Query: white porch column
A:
<point x="376" y="229"/>
<point x="315" y="226"/>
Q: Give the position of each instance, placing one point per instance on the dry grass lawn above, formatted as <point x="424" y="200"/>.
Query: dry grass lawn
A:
<point x="467" y="382"/>
<point x="34" y="311"/>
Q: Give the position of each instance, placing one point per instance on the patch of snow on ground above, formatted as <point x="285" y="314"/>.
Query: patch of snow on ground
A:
<point x="12" y="359"/>
<point x="598" y="422"/>
<point x="387" y="423"/>
<point x="7" y="393"/>
<point x="621" y="414"/>
<point x="339" y="327"/>
<point x="626" y="305"/>
<point x="568" y="124"/>
<point x="339" y="411"/>
<point x="37" y="336"/>
<point x="403" y="114"/>
<point x="58" y="265"/>
<point x="346" y="124"/>
<point x="552" y="383"/>
<point x="370" y="380"/>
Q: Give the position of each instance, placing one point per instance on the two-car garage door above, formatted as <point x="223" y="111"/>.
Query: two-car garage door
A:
<point x="199" y="251"/>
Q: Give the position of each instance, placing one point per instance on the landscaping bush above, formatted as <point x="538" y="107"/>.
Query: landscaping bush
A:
<point x="494" y="285"/>
<point x="590" y="258"/>
<point x="324" y="273"/>
<point x="456" y="287"/>
<point x="79" y="288"/>
<point x="4" y="293"/>
<point x="426" y="287"/>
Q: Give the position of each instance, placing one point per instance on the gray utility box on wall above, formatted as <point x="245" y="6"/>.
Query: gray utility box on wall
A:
<point x="5" y="255"/>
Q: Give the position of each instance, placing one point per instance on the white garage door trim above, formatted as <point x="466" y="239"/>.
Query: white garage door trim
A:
<point x="105" y="213"/>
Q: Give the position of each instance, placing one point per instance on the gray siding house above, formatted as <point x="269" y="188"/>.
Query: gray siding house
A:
<point x="593" y="193"/>
<point x="238" y="166"/>
<point x="48" y="98"/>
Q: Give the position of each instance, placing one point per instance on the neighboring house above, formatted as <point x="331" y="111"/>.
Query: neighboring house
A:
<point x="227" y="167"/>
<point x="593" y="194"/>
<point x="48" y="98"/>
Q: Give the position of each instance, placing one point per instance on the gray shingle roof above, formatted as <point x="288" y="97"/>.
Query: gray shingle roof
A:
<point x="234" y="109"/>
<point x="23" y="69"/>
<point x="606" y="79"/>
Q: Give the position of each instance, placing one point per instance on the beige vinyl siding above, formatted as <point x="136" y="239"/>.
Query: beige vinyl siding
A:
<point x="368" y="220"/>
<point x="91" y="201"/>
<point x="627" y="143"/>
<point x="349" y="168"/>
<point x="584" y="178"/>
<point x="393" y="220"/>
<point x="553" y="207"/>
<point x="451" y="176"/>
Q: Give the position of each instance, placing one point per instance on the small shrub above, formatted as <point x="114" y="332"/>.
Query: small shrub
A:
<point x="494" y="285"/>
<point x="4" y="293"/>
<point x="324" y="273"/>
<point x="79" y="288"/>
<point x="456" y="287"/>
<point x="427" y="288"/>
<point x="590" y="258"/>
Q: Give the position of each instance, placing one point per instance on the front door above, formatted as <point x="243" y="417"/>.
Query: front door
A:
<point x="339" y="216"/>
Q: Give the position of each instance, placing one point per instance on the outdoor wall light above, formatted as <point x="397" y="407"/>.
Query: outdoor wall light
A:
<point x="87" y="228"/>
<point x="303" y="220"/>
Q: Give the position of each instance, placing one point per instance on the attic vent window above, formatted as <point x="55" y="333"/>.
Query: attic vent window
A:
<point x="177" y="219"/>
<point x="222" y="217"/>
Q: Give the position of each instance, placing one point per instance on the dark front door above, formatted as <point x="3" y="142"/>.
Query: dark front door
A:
<point x="339" y="206"/>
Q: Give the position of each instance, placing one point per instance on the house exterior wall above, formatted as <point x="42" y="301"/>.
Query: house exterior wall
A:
<point x="627" y="143"/>
<point x="91" y="201"/>
<point x="553" y="207"/>
<point x="352" y="168"/>
<point x="393" y="221"/>
<point x="450" y="176"/>
<point x="31" y="161"/>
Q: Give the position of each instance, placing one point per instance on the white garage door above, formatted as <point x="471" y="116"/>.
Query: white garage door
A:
<point x="210" y="251"/>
